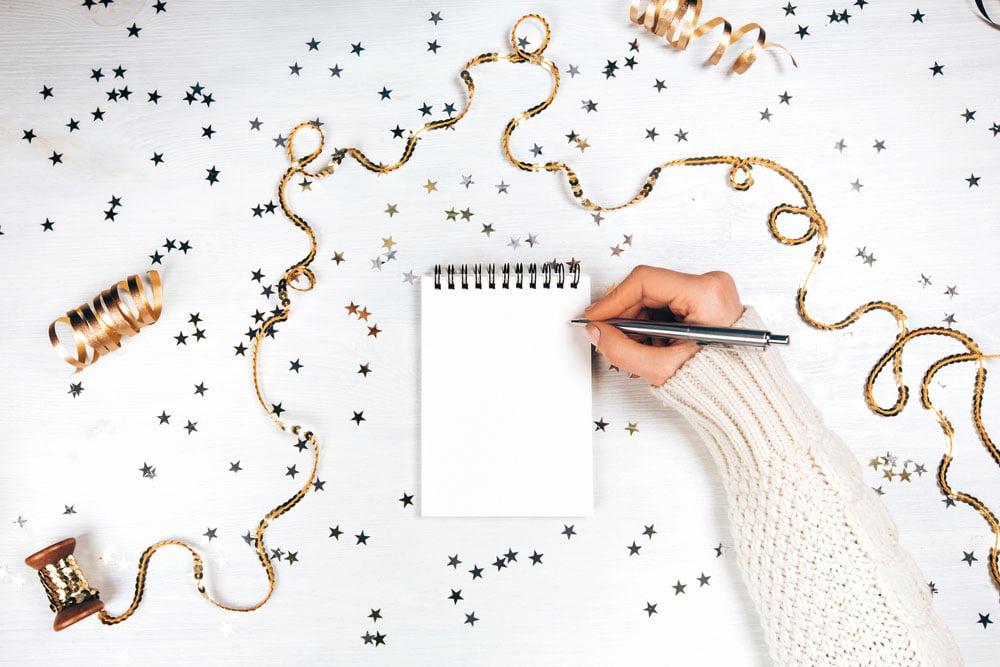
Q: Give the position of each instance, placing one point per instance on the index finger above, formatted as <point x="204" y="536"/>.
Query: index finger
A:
<point x="648" y="286"/>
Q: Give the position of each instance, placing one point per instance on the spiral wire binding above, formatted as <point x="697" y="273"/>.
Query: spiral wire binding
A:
<point x="547" y="270"/>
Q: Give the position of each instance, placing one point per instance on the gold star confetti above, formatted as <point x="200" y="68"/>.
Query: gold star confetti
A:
<point x="374" y="331"/>
<point x="352" y="309"/>
<point x="573" y="263"/>
<point x="488" y="229"/>
<point x="306" y="184"/>
<point x="890" y="471"/>
<point x="363" y="314"/>
<point x="388" y="243"/>
<point x="467" y="214"/>
<point x="609" y="288"/>
<point x="452" y="214"/>
<point x="390" y="209"/>
<point x="582" y="144"/>
<point x="632" y="428"/>
<point x="431" y="186"/>
<point x="338" y="257"/>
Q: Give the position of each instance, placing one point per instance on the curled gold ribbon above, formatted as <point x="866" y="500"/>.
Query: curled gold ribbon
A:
<point x="982" y="10"/>
<point x="677" y="22"/>
<point x="740" y="178"/>
<point x="101" y="325"/>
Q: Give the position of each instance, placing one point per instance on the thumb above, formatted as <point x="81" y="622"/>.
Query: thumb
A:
<point x="654" y="364"/>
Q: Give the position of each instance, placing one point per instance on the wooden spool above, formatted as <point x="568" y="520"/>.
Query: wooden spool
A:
<point x="71" y="613"/>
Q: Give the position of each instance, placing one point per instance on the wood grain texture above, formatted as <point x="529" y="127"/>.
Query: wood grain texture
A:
<point x="863" y="81"/>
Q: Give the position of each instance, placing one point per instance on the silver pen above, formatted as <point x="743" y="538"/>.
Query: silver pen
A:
<point x="715" y="336"/>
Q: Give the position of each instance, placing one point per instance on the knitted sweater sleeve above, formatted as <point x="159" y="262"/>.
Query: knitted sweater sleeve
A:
<point x="817" y="549"/>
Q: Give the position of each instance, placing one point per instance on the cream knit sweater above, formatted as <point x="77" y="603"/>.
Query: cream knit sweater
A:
<point x="816" y="547"/>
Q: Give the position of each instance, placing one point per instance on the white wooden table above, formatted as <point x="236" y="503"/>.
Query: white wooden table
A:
<point x="71" y="460"/>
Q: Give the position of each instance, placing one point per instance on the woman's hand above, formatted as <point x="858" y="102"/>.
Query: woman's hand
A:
<point x="653" y="293"/>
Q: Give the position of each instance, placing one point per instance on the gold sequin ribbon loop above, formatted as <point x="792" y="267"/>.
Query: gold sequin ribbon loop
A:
<point x="98" y="327"/>
<point x="741" y="178"/>
<point x="677" y="22"/>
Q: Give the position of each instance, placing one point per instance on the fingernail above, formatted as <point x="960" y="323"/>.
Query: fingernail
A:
<point x="593" y="333"/>
<point x="589" y="307"/>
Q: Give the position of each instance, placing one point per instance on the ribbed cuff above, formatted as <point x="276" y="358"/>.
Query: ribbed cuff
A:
<point x="744" y="403"/>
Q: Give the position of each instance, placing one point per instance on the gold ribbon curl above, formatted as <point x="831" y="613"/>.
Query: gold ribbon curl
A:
<point x="101" y="325"/>
<point x="677" y="22"/>
<point x="740" y="178"/>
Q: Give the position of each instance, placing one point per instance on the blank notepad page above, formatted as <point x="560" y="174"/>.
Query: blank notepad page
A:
<point x="505" y="399"/>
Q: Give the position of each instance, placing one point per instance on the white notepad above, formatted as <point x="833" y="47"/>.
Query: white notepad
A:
<point x="505" y="392"/>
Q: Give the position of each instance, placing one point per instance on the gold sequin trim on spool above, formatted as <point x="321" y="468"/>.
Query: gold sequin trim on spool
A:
<point x="64" y="584"/>
<point x="98" y="327"/>
<point x="69" y="594"/>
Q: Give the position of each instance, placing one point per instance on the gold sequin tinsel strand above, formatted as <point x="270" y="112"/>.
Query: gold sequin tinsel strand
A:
<point x="740" y="178"/>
